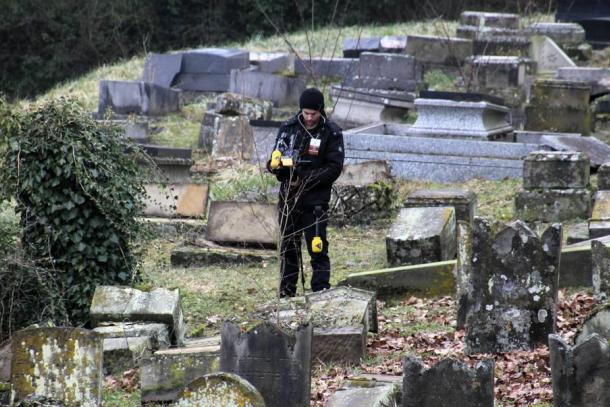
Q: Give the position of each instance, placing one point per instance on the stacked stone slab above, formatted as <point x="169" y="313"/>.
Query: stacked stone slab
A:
<point x="137" y="97"/>
<point x="421" y="235"/>
<point x="569" y="36"/>
<point x="438" y="52"/>
<point x="511" y="292"/>
<point x="320" y="67"/>
<point x="353" y="47"/>
<point x="597" y="78"/>
<point x="281" y="89"/>
<point x="386" y="71"/>
<point x="581" y="373"/>
<point x="209" y="69"/>
<point x="555" y="187"/>
<point x="559" y="106"/>
<point x="493" y="33"/>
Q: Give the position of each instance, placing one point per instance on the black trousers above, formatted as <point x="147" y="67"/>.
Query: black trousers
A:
<point x="294" y="222"/>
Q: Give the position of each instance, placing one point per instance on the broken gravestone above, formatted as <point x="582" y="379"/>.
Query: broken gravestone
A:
<point x="448" y="383"/>
<point x="464" y="202"/>
<point x="158" y="333"/>
<point x="512" y="290"/>
<point x="580" y="373"/>
<point x="124" y="353"/>
<point x="136" y="97"/>
<point x="421" y="235"/>
<point x="243" y="222"/>
<point x="176" y="200"/>
<point x="599" y="223"/>
<point x="600" y="275"/>
<point x="361" y="392"/>
<point x="227" y="135"/>
<point x="277" y="361"/>
<point x="232" y="104"/>
<point x="281" y="89"/>
<point x="597" y="323"/>
<point x="220" y="389"/>
<point x="59" y="363"/>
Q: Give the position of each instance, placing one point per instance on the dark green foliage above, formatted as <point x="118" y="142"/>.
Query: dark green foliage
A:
<point x="42" y="45"/>
<point x="77" y="192"/>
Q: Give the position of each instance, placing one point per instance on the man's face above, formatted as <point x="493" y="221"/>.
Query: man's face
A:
<point x="311" y="118"/>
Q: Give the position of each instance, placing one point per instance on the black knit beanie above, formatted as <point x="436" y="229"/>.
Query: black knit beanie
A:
<point x="312" y="98"/>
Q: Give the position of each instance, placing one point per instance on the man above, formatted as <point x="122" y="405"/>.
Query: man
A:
<point x="307" y="159"/>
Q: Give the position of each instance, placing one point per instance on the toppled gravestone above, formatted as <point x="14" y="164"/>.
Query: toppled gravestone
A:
<point x="555" y="184"/>
<point x="276" y="360"/>
<point x="600" y="275"/>
<point x="176" y="200"/>
<point x="448" y="383"/>
<point x="365" y="393"/>
<point x="438" y="51"/>
<point x="124" y="353"/>
<point x="220" y="389"/>
<point x="136" y="97"/>
<point x="281" y="89"/>
<point x="597" y="323"/>
<point x="353" y="47"/>
<point x="464" y="202"/>
<point x="243" y="222"/>
<point x="125" y="304"/>
<point x="581" y="373"/>
<point x="362" y="193"/>
<point x="421" y="235"/>
<point x="167" y="372"/>
<point x="59" y="363"/>
<point x="512" y="290"/>
<point x="599" y="223"/>
<point x="233" y="104"/>
<point x="227" y="135"/>
<point x="158" y="333"/>
<point x="493" y="33"/>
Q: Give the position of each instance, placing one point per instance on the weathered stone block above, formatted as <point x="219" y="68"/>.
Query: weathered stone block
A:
<point x="438" y="50"/>
<point x="353" y="47"/>
<point x="553" y="205"/>
<point x="393" y="44"/>
<point x="222" y="135"/>
<point x="487" y="19"/>
<point x="548" y="55"/>
<point x="157" y="333"/>
<point x="581" y="373"/>
<point x="233" y="104"/>
<point x="244" y="222"/>
<point x="555" y="169"/>
<point x="603" y="177"/>
<point x="276" y="361"/>
<point x="167" y="372"/>
<point x="564" y="34"/>
<point x="220" y="389"/>
<point x="203" y="82"/>
<point x="125" y="304"/>
<point x="366" y="393"/>
<point x="350" y="112"/>
<point x="599" y="223"/>
<point x="597" y="151"/>
<point x="214" y="60"/>
<point x="600" y="276"/>
<point x="397" y="67"/>
<point x="161" y="69"/>
<point x="121" y="354"/>
<point x="182" y="200"/>
<point x="578" y="232"/>
<point x="282" y="90"/>
<point x="195" y="256"/>
<point x="271" y="62"/>
<point x="567" y="120"/>
<point x="513" y="287"/>
<point x="325" y="67"/>
<point x="463" y="202"/>
<point x="448" y="383"/>
<point x="497" y="73"/>
<point x="421" y="235"/>
<point x="136" y="97"/>
<point x="59" y="363"/>
<point x="597" y="323"/>
<point x="594" y="76"/>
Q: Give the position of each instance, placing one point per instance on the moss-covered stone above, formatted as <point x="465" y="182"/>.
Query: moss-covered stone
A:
<point x="220" y="389"/>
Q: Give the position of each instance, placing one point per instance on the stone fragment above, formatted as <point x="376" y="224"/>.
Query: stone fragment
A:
<point x="597" y="151"/>
<point x="121" y="354"/>
<point x="599" y="223"/>
<point x="233" y="104"/>
<point x="271" y="62"/>
<point x="553" y="205"/>
<point x="167" y="372"/>
<point x="59" y="363"/>
<point x="195" y="256"/>
<point x="162" y="69"/>
<point x="223" y="135"/>
<point x="366" y="393"/>
<point x="597" y="323"/>
<point x="487" y="19"/>
<point x="243" y="222"/>
<point x="393" y="44"/>
<point x="282" y="90"/>
<point x="548" y="55"/>
<point x="597" y="78"/>
<point x="555" y="169"/>
<point x="463" y="202"/>
<point x="157" y="333"/>
<point x="125" y="304"/>
<point x="600" y="275"/>
<point x="448" y="383"/>
<point x="421" y="235"/>
<point x="580" y="373"/>
<point x="578" y="232"/>
<point x="353" y="47"/>
<point x="276" y="361"/>
<point x="137" y="97"/>
<point x="176" y="200"/>
<point x="603" y="177"/>
<point x="564" y="34"/>
<point x="220" y="389"/>
<point x="463" y="272"/>
<point x="513" y="287"/>
<point x="438" y="50"/>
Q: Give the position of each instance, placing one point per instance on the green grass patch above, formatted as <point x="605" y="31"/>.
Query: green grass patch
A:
<point x="241" y="181"/>
<point x="120" y="398"/>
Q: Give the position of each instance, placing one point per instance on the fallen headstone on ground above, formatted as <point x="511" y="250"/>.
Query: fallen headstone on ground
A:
<point x="206" y="253"/>
<point x="464" y="202"/>
<point x="281" y="89"/>
<point x="220" y="389"/>
<point x="136" y="97"/>
<point x="176" y="200"/>
<point x="243" y="222"/>
<point x="359" y="392"/>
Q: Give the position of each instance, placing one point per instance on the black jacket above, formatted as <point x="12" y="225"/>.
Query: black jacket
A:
<point x="312" y="176"/>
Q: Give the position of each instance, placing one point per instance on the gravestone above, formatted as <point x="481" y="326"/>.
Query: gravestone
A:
<point x="421" y="235"/>
<point x="125" y="304"/>
<point x="599" y="223"/>
<point x="464" y="202"/>
<point x="577" y="263"/>
<point x="210" y="253"/>
<point x="271" y="62"/>
<point x="600" y="274"/>
<point x="597" y="78"/>
<point x="354" y="106"/>
<point x="223" y="135"/>
<point x="326" y="67"/>
<point x="167" y="372"/>
<point x="158" y="333"/>
<point x="393" y="44"/>
<point x="566" y="35"/>
<point x="512" y="288"/>
<point x="277" y="361"/>
<point x="233" y="104"/>
<point x="597" y="151"/>
<point x="448" y="383"/>
<point x="366" y="393"/>
<point x="182" y="200"/>
<point x="578" y="232"/>
<point x="243" y="222"/>
<point x="581" y="373"/>
<point x="463" y="271"/>
<point x="137" y="97"/>
<point x="597" y="323"/>
<point x="353" y="47"/>
<point x="162" y="69"/>
<point x="386" y="72"/>
<point x="220" y="389"/>
<point x="603" y="177"/>
<point x="362" y="193"/>
<point x="121" y="354"/>
<point x="487" y="19"/>
<point x="59" y="363"/>
<point x="437" y="51"/>
<point x="548" y="55"/>
<point x="209" y="69"/>
<point x="136" y="129"/>
<point x="282" y="90"/>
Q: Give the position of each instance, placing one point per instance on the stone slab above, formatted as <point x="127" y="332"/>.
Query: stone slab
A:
<point x="382" y="83"/>
<point x="577" y="232"/>
<point x="203" y="82"/>
<point x="553" y="205"/>
<point x="243" y="222"/>
<point x="603" y="176"/>
<point x="398" y="67"/>
<point x="121" y="354"/>
<point x="224" y="135"/>
<point x="366" y="173"/>
<point x="601" y="208"/>
<point x="195" y="256"/>
<point x="158" y="334"/>
<point x="488" y="19"/>
<point x="421" y="235"/>
<point x="353" y="47"/>
<point x="181" y="200"/>
<point x="136" y="130"/>
<point x="175" y="227"/>
<point x="497" y="72"/>
<point x="395" y="44"/>
<point x="597" y="151"/>
<point x="560" y="93"/>
<point x="555" y="169"/>
<point x="548" y="55"/>
<point x="271" y="62"/>
<point x="281" y="90"/>
<point x="214" y="60"/>
<point x="366" y="393"/>
<point x="596" y="323"/>
<point x="600" y="273"/>
<point x="394" y="98"/>
<point x="439" y="50"/>
<point x="137" y="97"/>
<point x="564" y="34"/>
<point x="350" y="112"/>
<point x="220" y="389"/>
<point x="234" y="104"/>
<point x="159" y="151"/>
<point x="326" y="67"/>
<point x="464" y="202"/>
<point x="597" y="78"/>
<point x="161" y="69"/>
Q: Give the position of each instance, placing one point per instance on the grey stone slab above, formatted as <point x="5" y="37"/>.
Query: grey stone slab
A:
<point x="224" y="135"/>
<point x="383" y="83"/>
<point x="393" y="44"/>
<point x="463" y="272"/>
<point x="448" y="383"/>
<point x="400" y="67"/>
<point x="366" y="393"/>
<point x="600" y="274"/>
<point x="597" y="78"/>
<point x="325" y="67"/>
<point x="556" y="169"/>
<point x="601" y="208"/>
<point x="535" y="137"/>
<point x="578" y="232"/>
<point x="603" y="176"/>
<point x="59" y="363"/>
<point x="553" y="205"/>
<point x="365" y="173"/>
<point x="173" y="170"/>
<point x="560" y="93"/>
<point x="136" y="97"/>
<point x="158" y="151"/>
<point x="487" y="19"/>
<point x="203" y="82"/>
<point x="353" y="47"/>
<point x="548" y="55"/>
<point x="214" y="60"/>
<point x="597" y="151"/>
<point x="513" y="288"/>
<point x="508" y="45"/>
<point x="176" y="200"/>
<point x="157" y="333"/>
<point x="497" y="72"/>
<point x="564" y="34"/>
<point x="596" y="323"/>
<point x="440" y="50"/>
<point x="271" y="62"/>
<point x="421" y="235"/>
<point x="220" y="389"/>
<point x="281" y="90"/>
<point x="121" y="354"/>
<point x="277" y="362"/>
<point x="599" y="228"/>
<point x="161" y="69"/>
<point x="580" y="374"/>
<point x="464" y="202"/>
<point x="264" y="140"/>
<point x="243" y="222"/>
<point x="383" y="97"/>
<point x="234" y="104"/>
<point x="482" y="34"/>
<point x="195" y="256"/>
<point x="166" y="373"/>
<point x="351" y="112"/>
<point x="135" y="130"/>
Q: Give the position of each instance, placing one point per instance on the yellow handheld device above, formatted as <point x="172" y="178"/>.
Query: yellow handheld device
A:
<point x="276" y="159"/>
<point x="316" y="243"/>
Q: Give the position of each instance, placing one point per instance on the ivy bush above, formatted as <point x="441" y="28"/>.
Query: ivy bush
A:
<point x="77" y="188"/>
